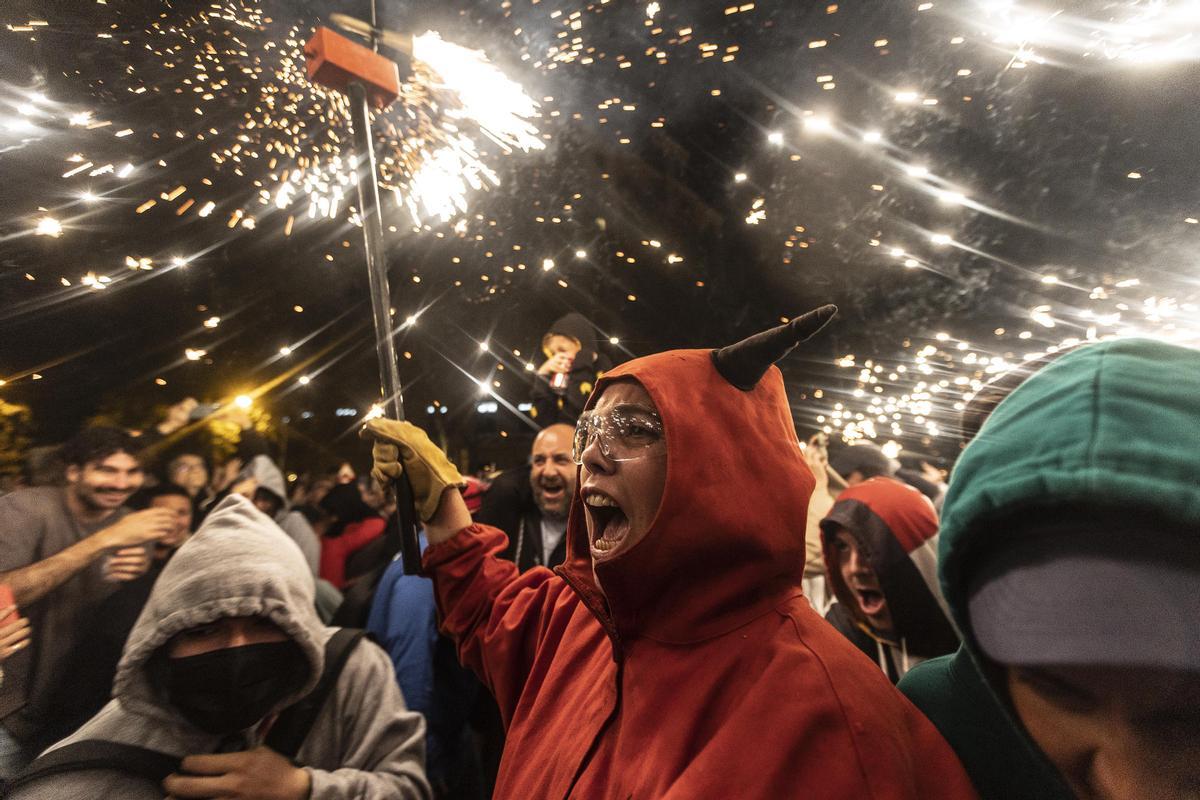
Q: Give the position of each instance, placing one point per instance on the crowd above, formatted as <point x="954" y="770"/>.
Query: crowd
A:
<point x="674" y="598"/>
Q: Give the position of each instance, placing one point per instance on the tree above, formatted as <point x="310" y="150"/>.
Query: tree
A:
<point x="16" y="421"/>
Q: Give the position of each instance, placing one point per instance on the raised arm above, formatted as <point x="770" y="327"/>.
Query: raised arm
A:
<point x="497" y="616"/>
<point x="501" y="620"/>
<point x="33" y="582"/>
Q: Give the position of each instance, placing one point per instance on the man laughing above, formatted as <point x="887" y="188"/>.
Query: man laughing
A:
<point x="530" y="503"/>
<point x="63" y="550"/>
<point x="553" y="477"/>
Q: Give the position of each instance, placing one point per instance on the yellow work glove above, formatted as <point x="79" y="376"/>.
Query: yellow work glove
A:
<point x="402" y="446"/>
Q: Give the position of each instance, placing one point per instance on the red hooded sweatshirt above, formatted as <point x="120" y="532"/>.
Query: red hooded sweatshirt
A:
<point x="694" y="668"/>
<point x="896" y="526"/>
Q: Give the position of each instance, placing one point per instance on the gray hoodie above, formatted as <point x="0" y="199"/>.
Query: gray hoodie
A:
<point x="364" y="744"/>
<point x="294" y="524"/>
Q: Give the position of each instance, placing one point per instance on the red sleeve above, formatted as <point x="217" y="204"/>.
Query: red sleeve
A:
<point x="360" y="533"/>
<point x="333" y="561"/>
<point x="497" y="615"/>
<point x="335" y="550"/>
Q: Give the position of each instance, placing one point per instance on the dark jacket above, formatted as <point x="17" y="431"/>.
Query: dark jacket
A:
<point x="549" y="407"/>
<point x="509" y="506"/>
<point x="1106" y="426"/>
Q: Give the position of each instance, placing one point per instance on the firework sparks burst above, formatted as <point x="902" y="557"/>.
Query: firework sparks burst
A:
<point x="284" y="139"/>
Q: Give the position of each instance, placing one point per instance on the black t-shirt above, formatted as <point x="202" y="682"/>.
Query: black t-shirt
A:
<point x="92" y="664"/>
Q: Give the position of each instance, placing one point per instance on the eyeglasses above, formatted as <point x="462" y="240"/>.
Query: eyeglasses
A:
<point x="624" y="434"/>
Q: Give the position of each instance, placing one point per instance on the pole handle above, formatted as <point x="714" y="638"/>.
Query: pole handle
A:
<point x="406" y="518"/>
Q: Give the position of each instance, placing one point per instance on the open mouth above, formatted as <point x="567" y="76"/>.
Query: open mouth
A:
<point x="552" y="492"/>
<point x="609" y="526"/>
<point x="871" y="601"/>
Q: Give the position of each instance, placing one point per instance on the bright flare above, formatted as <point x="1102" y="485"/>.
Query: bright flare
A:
<point x="49" y="226"/>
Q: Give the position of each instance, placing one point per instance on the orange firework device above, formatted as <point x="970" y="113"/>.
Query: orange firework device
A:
<point x="335" y="62"/>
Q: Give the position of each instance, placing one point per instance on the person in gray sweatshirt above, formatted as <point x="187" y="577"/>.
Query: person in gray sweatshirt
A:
<point x="226" y="646"/>
<point x="262" y="481"/>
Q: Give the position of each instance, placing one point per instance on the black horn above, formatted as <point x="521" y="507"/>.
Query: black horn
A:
<point x="743" y="364"/>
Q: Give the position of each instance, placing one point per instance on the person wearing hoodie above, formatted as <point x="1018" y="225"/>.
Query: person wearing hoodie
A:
<point x="673" y="655"/>
<point x="227" y="643"/>
<point x="1068" y="558"/>
<point x="880" y="544"/>
<point x="567" y="376"/>
<point x="262" y="481"/>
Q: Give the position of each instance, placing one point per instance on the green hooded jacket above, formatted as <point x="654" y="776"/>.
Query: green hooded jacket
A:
<point x="1112" y="425"/>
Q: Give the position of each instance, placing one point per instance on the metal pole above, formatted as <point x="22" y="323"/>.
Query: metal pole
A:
<point x="368" y="206"/>
<point x="367" y="179"/>
<point x="374" y="41"/>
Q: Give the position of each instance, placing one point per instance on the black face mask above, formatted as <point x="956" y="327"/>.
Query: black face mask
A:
<point x="230" y="690"/>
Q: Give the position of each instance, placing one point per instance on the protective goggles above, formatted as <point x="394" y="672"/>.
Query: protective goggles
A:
<point x="624" y="434"/>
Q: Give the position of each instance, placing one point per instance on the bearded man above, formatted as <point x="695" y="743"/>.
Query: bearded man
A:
<point x="63" y="550"/>
<point x="530" y="504"/>
<point x="673" y="655"/>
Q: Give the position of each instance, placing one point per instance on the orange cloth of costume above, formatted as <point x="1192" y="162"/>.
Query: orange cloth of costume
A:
<point x="691" y="666"/>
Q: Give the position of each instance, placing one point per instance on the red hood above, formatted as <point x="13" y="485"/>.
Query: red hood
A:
<point x="908" y="514"/>
<point x="728" y="540"/>
<point x="897" y="526"/>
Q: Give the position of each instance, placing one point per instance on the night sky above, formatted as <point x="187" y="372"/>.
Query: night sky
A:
<point x="971" y="181"/>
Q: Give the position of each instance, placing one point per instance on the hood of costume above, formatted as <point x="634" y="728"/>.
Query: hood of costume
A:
<point x="706" y="566"/>
<point x="1111" y="427"/>
<point x="897" y="529"/>
<point x="1114" y="425"/>
<point x="691" y="665"/>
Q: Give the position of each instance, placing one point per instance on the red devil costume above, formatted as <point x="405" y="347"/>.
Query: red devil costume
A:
<point x="691" y="666"/>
